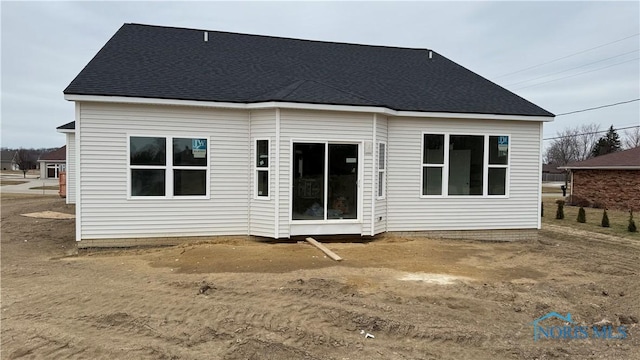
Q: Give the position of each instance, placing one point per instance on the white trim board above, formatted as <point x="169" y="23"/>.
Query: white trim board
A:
<point x="301" y="106"/>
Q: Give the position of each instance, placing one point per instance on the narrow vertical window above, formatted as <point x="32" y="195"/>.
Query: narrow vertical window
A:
<point x="432" y="164"/>
<point x="498" y="165"/>
<point x="262" y="168"/>
<point x="382" y="167"/>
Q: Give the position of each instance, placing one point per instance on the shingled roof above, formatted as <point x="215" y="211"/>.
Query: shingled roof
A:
<point x="176" y="63"/>
<point x="627" y="159"/>
<point x="68" y="126"/>
<point x="55" y="155"/>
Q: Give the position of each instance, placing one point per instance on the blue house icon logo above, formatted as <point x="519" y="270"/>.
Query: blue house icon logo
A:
<point x="568" y="331"/>
<point x="547" y="332"/>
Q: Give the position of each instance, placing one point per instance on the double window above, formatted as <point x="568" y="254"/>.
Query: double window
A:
<point x="262" y="169"/>
<point x="168" y="166"/>
<point x="473" y="165"/>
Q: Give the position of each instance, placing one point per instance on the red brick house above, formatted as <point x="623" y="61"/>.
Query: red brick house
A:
<point x="611" y="180"/>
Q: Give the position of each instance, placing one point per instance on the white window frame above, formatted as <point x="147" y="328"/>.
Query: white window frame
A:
<point x="382" y="172"/>
<point x="486" y="166"/>
<point x="257" y="169"/>
<point x="496" y="166"/>
<point x="360" y="192"/>
<point x="169" y="167"/>
<point x="444" y="166"/>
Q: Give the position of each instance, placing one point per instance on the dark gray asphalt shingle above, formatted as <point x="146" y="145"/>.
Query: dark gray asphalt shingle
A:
<point x="176" y="63"/>
<point x="68" y="126"/>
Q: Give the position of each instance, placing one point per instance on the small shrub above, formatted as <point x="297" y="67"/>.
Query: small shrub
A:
<point x="582" y="216"/>
<point x="541" y="209"/>
<point x="560" y="211"/>
<point x="574" y="200"/>
<point x="605" y="219"/>
<point x="632" y="224"/>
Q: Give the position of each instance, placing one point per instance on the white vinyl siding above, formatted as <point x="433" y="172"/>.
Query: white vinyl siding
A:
<point x="380" y="220"/>
<point x="106" y="211"/>
<point x="323" y="126"/>
<point x="262" y="211"/>
<point x="71" y="168"/>
<point x="409" y="211"/>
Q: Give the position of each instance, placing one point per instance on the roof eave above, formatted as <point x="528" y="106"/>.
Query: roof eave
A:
<point x="300" y="106"/>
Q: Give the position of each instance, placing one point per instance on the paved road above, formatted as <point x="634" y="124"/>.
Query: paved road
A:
<point x="25" y="188"/>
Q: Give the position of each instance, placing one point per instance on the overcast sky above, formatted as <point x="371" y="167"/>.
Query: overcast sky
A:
<point x="46" y="44"/>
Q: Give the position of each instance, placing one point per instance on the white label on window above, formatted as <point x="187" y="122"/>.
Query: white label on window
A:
<point x="351" y="160"/>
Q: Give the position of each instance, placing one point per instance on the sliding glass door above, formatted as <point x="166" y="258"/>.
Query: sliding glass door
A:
<point x="325" y="181"/>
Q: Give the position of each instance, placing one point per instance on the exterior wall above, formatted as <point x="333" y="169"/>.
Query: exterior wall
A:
<point x="407" y="211"/>
<point x="616" y="189"/>
<point x="44" y="164"/>
<point x="105" y="211"/>
<point x="71" y="168"/>
<point x="380" y="216"/>
<point x="262" y="211"/>
<point x="324" y="126"/>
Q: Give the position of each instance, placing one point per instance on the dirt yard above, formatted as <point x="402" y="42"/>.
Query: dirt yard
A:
<point x="235" y="299"/>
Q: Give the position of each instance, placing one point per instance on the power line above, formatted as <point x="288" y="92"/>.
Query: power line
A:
<point x="564" y="57"/>
<point x="582" y="73"/>
<point x="573" y="68"/>
<point x="597" y="107"/>
<point x="590" y="133"/>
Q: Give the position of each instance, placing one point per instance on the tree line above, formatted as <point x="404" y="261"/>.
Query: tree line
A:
<point x="583" y="142"/>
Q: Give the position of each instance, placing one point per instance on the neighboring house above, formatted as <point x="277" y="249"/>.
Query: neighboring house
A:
<point x="186" y="133"/>
<point x="611" y="180"/>
<point x="550" y="172"/>
<point x="9" y="160"/>
<point x="53" y="163"/>
<point x="70" y="180"/>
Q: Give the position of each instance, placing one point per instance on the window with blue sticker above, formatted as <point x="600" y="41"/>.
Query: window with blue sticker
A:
<point x="168" y="166"/>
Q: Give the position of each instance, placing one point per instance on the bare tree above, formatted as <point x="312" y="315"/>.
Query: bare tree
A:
<point x="586" y="138"/>
<point x="27" y="160"/>
<point x="631" y="138"/>
<point x="572" y="144"/>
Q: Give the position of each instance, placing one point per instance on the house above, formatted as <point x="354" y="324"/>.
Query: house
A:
<point x="9" y="160"/>
<point x="611" y="180"/>
<point x="182" y="133"/>
<point x="53" y="163"/>
<point x="550" y="172"/>
<point x="69" y="130"/>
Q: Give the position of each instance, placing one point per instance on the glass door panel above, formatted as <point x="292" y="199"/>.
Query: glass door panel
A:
<point x="308" y="181"/>
<point x="343" y="181"/>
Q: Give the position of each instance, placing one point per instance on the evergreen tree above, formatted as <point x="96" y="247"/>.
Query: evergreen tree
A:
<point x="605" y="219"/>
<point x="632" y="224"/>
<point x="560" y="210"/>
<point x="607" y="144"/>
<point x="582" y="216"/>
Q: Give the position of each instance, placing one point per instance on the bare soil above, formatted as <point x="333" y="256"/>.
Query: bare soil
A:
<point x="235" y="299"/>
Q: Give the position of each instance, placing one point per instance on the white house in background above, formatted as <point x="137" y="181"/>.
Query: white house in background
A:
<point x="9" y="160"/>
<point x="69" y="130"/>
<point x="53" y="163"/>
<point x="187" y="133"/>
